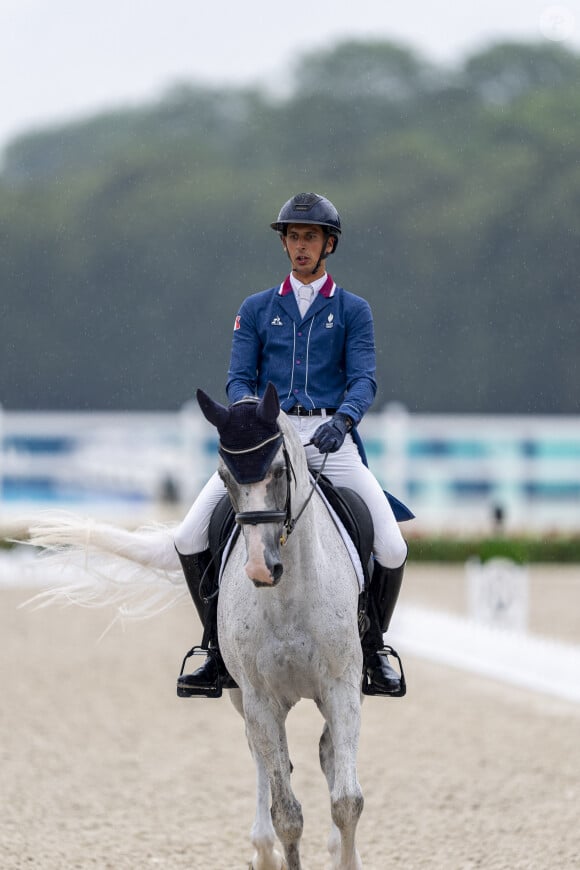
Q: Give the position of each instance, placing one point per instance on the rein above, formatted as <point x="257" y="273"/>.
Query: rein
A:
<point x="254" y="518"/>
<point x="291" y="525"/>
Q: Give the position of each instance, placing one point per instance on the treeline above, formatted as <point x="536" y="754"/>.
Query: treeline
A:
<point x="128" y="240"/>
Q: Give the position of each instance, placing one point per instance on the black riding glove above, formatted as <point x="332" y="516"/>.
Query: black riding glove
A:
<point x="330" y="436"/>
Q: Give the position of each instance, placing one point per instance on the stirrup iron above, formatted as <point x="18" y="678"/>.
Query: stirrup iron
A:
<point x="212" y="691"/>
<point x="369" y="689"/>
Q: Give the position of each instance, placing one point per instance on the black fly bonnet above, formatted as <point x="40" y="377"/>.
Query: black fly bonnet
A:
<point x="249" y="433"/>
<point x="249" y="440"/>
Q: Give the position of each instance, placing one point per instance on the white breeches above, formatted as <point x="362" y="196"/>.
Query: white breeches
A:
<point x="343" y="468"/>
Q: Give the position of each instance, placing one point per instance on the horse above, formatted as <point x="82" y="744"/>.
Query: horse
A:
<point x="288" y="629"/>
<point x="287" y="618"/>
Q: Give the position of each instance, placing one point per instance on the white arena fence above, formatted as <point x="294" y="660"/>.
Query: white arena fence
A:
<point x="460" y="473"/>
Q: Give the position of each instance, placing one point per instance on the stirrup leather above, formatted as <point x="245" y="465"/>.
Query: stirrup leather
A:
<point x="211" y="691"/>
<point x="369" y="689"/>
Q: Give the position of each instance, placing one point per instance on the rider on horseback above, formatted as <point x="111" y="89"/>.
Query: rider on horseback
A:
<point x="315" y="342"/>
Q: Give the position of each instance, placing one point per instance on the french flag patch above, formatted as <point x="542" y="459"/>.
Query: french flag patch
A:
<point x="237" y="322"/>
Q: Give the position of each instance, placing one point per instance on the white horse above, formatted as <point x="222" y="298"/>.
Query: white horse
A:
<point x="290" y="634"/>
<point x="287" y="621"/>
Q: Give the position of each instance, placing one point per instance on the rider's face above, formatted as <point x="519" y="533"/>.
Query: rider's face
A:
<point x="304" y="244"/>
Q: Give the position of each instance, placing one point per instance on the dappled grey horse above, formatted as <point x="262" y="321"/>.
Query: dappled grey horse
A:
<point x="287" y="623"/>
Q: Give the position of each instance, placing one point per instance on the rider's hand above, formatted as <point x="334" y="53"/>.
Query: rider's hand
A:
<point x="330" y="436"/>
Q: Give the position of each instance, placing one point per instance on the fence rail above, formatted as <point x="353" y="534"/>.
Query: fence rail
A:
<point x="459" y="473"/>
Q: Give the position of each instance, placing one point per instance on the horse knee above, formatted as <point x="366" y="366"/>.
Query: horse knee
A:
<point x="287" y="820"/>
<point x="346" y="809"/>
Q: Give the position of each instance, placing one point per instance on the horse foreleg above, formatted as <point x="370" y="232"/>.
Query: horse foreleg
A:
<point x="338" y="750"/>
<point x="326" y="756"/>
<point x="263" y="836"/>
<point x="267" y="737"/>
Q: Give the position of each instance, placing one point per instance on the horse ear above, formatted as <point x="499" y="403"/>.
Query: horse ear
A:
<point x="269" y="407"/>
<point x="215" y="413"/>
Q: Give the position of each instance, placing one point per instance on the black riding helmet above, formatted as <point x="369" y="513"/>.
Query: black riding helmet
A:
<point x="309" y="208"/>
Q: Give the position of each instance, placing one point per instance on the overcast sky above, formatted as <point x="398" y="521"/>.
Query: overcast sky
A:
<point x="61" y="59"/>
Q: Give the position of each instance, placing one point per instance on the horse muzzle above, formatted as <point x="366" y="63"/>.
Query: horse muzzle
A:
<point x="261" y="578"/>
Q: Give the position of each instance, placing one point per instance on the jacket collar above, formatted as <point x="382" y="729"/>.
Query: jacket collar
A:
<point x="327" y="290"/>
<point x="287" y="299"/>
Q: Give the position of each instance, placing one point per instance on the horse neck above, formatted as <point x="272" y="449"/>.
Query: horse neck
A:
<point x="297" y="457"/>
<point x="306" y="504"/>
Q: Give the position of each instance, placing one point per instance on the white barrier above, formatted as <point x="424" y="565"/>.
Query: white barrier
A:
<point x="531" y="662"/>
<point x="478" y="473"/>
<point x="459" y="473"/>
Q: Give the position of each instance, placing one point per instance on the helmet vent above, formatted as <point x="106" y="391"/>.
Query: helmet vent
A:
<point x="305" y="201"/>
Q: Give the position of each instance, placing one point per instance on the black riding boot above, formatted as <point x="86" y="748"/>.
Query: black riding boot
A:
<point x="213" y="672"/>
<point x="380" y="677"/>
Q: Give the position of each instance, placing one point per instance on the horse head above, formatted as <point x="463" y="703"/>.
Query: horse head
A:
<point x="254" y="468"/>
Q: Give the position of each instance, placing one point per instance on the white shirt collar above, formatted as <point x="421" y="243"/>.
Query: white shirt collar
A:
<point x="315" y="286"/>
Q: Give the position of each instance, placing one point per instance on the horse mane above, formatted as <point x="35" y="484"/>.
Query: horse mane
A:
<point x="294" y="446"/>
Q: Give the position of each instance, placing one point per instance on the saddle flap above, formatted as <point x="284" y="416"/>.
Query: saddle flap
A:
<point x="221" y="526"/>
<point x="355" y="517"/>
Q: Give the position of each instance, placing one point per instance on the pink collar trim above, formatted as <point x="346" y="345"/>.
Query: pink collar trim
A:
<point x="327" y="289"/>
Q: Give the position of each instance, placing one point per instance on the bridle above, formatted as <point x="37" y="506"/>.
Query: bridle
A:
<point x="254" y="518"/>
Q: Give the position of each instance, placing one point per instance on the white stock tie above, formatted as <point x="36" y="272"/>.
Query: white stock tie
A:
<point x="305" y="294"/>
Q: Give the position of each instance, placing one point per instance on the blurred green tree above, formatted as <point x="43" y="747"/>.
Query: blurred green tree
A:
<point x="128" y="240"/>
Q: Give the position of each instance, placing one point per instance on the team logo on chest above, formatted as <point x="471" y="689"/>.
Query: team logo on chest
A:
<point x="277" y="321"/>
<point x="329" y="321"/>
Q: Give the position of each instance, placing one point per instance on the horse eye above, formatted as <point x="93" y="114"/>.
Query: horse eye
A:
<point x="279" y="471"/>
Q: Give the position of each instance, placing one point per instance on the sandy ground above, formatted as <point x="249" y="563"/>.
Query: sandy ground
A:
<point x="103" y="767"/>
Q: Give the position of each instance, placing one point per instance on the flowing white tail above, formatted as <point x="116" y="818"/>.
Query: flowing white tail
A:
<point x="96" y="564"/>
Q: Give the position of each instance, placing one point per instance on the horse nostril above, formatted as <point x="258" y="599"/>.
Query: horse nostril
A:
<point x="277" y="571"/>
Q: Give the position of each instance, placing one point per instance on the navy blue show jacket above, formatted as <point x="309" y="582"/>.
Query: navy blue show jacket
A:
<point x="324" y="360"/>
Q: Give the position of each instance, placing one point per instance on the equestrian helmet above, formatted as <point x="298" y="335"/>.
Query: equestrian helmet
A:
<point x="309" y="208"/>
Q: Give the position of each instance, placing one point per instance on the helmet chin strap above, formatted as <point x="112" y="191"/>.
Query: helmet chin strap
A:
<point x="323" y="254"/>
